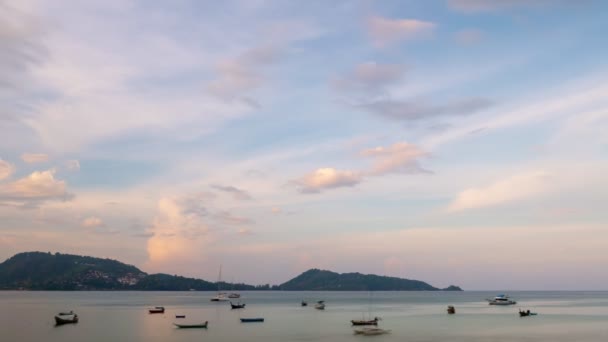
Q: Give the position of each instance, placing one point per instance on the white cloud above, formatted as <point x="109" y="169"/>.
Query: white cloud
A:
<point x="38" y="186"/>
<point x="384" y="31"/>
<point x="400" y="157"/>
<point x="327" y="178"/>
<point x="6" y="169"/>
<point x="32" y="158"/>
<point x="72" y="165"/>
<point x="514" y="188"/>
<point x="92" y="222"/>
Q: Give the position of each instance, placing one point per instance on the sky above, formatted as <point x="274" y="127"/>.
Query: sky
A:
<point x="456" y="142"/>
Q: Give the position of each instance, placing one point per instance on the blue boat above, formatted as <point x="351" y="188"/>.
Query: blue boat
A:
<point x="250" y="320"/>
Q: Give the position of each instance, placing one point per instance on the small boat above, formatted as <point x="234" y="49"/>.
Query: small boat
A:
<point x="320" y="305"/>
<point x="371" y="331"/>
<point x="157" y="310"/>
<point x="237" y="306"/>
<point x="66" y="313"/>
<point x="66" y="319"/>
<point x="501" y="299"/>
<point x="526" y="313"/>
<point x="191" y="326"/>
<point x="365" y="322"/>
<point x="251" y="320"/>
<point x="451" y="310"/>
<point x="220" y="296"/>
<point x="234" y="295"/>
<point x="180" y="316"/>
<point x="304" y="303"/>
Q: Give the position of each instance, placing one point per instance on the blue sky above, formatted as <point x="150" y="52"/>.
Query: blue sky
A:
<point x="438" y="140"/>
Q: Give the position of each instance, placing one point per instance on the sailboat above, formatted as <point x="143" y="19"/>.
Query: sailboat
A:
<point x="232" y="293"/>
<point x="220" y="296"/>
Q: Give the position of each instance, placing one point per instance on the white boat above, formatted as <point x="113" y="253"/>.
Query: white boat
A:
<point x="501" y="299"/>
<point x="371" y="331"/>
<point x="320" y="305"/>
<point x="220" y="296"/>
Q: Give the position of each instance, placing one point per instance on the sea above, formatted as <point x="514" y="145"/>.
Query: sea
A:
<point x="411" y="316"/>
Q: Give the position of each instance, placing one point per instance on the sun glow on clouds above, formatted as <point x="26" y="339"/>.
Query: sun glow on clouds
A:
<point x="504" y="191"/>
<point x="384" y="31"/>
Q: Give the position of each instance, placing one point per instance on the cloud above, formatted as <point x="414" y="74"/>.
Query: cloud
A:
<point x="414" y="111"/>
<point x="32" y="158"/>
<point x="6" y="169"/>
<point x="276" y="210"/>
<point x="38" y="186"/>
<point x="384" y="31"/>
<point x="468" y="36"/>
<point x="472" y="6"/>
<point x="72" y="165"/>
<point x="176" y="234"/>
<point x="195" y="203"/>
<point x="236" y="77"/>
<point x="515" y="188"/>
<point x="370" y="77"/>
<point x="237" y="194"/>
<point x="244" y="232"/>
<point x="229" y="218"/>
<point x="327" y="178"/>
<point x="400" y="157"/>
<point x="92" y="222"/>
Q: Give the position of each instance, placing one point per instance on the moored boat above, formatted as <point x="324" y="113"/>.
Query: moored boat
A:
<point x="66" y="313"/>
<point x="304" y="303"/>
<point x="251" y="320"/>
<point x="371" y="331"/>
<point x="451" y="310"/>
<point x="234" y="295"/>
<point x="501" y="299"/>
<point x="320" y="305"/>
<point x="191" y="326"/>
<point x="66" y="319"/>
<point x="180" y="316"/>
<point x="526" y="313"/>
<point x="237" y="306"/>
<point x="365" y="322"/>
<point x="157" y="310"/>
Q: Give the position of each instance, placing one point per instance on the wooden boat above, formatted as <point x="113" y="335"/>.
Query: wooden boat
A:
<point x="157" y="310"/>
<point x="371" y="331"/>
<point x="191" y="326"/>
<point x="237" y="306"/>
<point x="66" y="313"/>
<point x="451" y="310"/>
<point x="251" y="320"/>
<point x="66" y="319"/>
<point x="180" y="316"/>
<point x="304" y="303"/>
<point x="365" y="322"/>
<point x="526" y="313"/>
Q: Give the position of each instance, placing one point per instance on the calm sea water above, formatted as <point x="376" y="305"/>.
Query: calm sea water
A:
<point x="412" y="316"/>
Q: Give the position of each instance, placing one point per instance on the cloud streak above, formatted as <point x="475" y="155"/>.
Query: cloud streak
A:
<point x="327" y="178"/>
<point x="385" y="31"/>
<point x="32" y="158"/>
<point x="515" y="188"/>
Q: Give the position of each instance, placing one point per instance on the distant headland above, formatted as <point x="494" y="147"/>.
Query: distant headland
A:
<point x="65" y="272"/>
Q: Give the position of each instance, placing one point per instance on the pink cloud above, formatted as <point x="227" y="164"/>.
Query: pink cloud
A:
<point x="384" y="31"/>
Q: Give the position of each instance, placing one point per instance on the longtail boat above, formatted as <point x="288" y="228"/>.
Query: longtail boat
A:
<point x="251" y="320"/>
<point x="191" y="326"/>
<point x="66" y="319"/>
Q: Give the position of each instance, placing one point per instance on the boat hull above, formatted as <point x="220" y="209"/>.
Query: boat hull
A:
<point x="192" y="326"/>
<point x="360" y="322"/>
<point x="65" y="320"/>
<point x="251" y="320"/>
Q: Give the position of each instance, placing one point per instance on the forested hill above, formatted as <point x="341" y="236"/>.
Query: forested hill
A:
<point x="46" y="271"/>
<point x="320" y="280"/>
